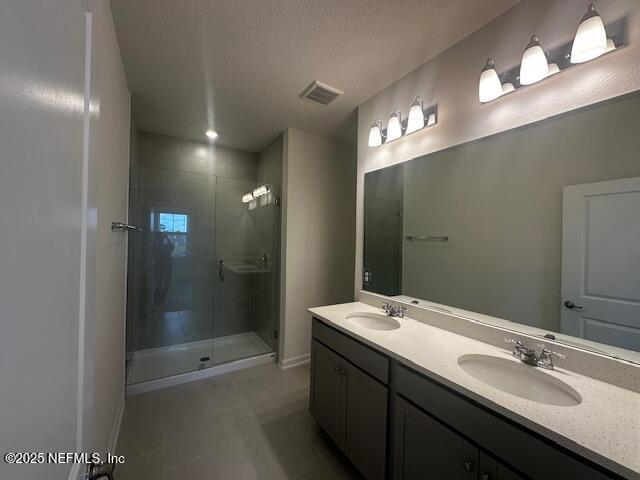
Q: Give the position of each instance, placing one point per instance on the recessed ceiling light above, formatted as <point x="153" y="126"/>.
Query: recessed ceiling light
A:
<point x="212" y="134"/>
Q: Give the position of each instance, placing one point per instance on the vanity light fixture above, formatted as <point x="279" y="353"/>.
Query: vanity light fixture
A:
<point x="591" y="38"/>
<point x="211" y="134"/>
<point x="247" y="197"/>
<point x="489" y="87"/>
<point x="590" y="42"/>
<point x="261" y="190"/>
<point x="394" y="126"/>
<point x="534" y="66"/>
<point x="416" y="119"/>
<point x="375" y="134"/>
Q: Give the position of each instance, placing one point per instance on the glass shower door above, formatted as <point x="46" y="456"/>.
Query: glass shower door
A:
<point x="247" y="259"/>
<point x="171" y="274"/>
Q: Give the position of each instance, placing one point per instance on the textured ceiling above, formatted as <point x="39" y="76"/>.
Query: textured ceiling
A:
<point x="238" y="65"/>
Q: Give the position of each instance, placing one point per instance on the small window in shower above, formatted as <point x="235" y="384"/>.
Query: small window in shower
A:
<point x="176" y="225"/>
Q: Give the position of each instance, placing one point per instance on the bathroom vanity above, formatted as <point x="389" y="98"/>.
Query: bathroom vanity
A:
<point x="405" y="400"/>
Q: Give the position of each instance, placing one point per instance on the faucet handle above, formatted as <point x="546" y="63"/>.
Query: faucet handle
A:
<point x="544" y="349"/>
<point x="545" y="360"/>
<point x="386" y="306"/>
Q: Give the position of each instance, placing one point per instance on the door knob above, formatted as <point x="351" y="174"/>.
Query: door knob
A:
<point x="572" y="306"/>
<point x="467" y="465"/>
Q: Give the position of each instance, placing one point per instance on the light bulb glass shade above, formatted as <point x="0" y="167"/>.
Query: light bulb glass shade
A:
<point x="431" y="120"/>
<point x="553" y="69"/>
<point x="415" y="120"/>
<point x="507" y="88"/>
<point x="261" y="190"/>
<point x="375" y="134"/>
<point x="591" y="38"/>
<point x="534" y="66"/>
<point x="489" y="87"/>
<point x="212" y="134"/>
<point x="247" y="197"/>
<point x="394" y="127"/>
<point x="610" y="45"/>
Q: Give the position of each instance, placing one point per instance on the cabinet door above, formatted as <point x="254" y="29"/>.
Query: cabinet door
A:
<point x="491" y="469"/>
<point x="365" y="421"/>
<point x="326" y="389"/>
<point x="424" y="449"/>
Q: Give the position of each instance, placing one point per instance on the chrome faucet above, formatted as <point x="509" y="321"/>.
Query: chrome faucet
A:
<point x="393" y="311"/>
<point x="529" y="356"/>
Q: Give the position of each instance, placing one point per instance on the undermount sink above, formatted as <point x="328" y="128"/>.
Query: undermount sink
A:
<point x="518" y="379"/>
<point x="373" y="321"/>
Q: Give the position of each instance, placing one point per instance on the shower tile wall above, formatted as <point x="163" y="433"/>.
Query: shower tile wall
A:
<point x="171" y="175"/>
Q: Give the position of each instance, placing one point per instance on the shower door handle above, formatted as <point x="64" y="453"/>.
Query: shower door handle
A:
<point x="221" y="270"/>
<point x="123" y="227"/>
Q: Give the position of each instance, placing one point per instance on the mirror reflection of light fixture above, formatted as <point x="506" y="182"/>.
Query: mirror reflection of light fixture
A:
<point x="247" y="197"/>
<point x="489" y="87"/>
<point x="534" y="66"/>
<point x="261" y="190"/>
<point x="375" y="134"/>
<point x="591" y="38"/>
<point x="394" y="126"/>
<point x="211" y="134"/>
<point x="416" y="118"/>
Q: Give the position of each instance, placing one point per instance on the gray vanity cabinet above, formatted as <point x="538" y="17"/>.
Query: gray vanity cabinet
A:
<point x="365" y="421"/>
<point x="327" y="386"/>
<point x="350" y="404"/>
<point x="425" y="449"/>
<point x="361" y="398"/>
<point x="491" y="469"/>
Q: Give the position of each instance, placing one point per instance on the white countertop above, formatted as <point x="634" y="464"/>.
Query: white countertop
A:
<point x="606" y="423"/>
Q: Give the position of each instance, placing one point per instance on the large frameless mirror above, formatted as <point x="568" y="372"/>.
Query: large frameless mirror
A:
<point x="536" y="229"/>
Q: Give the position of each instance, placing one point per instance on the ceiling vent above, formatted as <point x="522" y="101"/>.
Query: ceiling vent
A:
<point x="320" y="93"/>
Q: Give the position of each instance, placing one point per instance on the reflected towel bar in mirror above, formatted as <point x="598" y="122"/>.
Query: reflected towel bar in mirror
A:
<point x="430" y="238"/>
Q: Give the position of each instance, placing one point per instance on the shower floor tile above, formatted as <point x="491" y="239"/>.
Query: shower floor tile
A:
<point x="152" y="363"/>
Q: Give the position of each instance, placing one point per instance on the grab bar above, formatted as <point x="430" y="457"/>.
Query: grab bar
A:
<point x="430" y="238"/>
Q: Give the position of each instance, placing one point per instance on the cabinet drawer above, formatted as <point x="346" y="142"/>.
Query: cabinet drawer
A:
<point x="360" y="355"/>
<point x="539" y="458"/>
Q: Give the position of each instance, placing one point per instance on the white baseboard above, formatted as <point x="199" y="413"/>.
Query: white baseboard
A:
<point x="115" y="431"/>
<point x="295" y="361"/>
<point x="143" y="387"/>
<point x="77" y="469"/>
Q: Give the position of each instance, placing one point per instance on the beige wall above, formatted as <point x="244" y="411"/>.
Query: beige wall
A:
<point x="318" y="234"/>
<point x="500" y="202"/>
<point x="451" y="81"/>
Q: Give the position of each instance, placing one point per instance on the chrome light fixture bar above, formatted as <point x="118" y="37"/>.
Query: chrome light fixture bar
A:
<point x="397" y="127"/>
<point x="590" y="42"/>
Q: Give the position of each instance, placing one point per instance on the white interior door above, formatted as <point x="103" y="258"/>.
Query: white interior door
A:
<point x="107" y="192"/>
<point x="601" y="262"/>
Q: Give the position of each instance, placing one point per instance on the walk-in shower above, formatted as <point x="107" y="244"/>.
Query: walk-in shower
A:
<point x="204" y="271"/>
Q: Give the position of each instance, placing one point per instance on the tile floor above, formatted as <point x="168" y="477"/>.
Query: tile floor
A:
<point x="252" y="424"/>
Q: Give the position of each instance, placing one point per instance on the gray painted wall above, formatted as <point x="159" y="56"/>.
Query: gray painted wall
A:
<point x="41" y="128"/>
<point x="318" y="234"/>
<point x="500" y="201"/>
<point x="451" y="81"/>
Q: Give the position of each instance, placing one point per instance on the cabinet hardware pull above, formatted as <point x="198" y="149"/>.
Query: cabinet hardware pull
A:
<point x="337" y="369"/>
<point x="485" y="476"/>
<point x="467" y="465"/>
